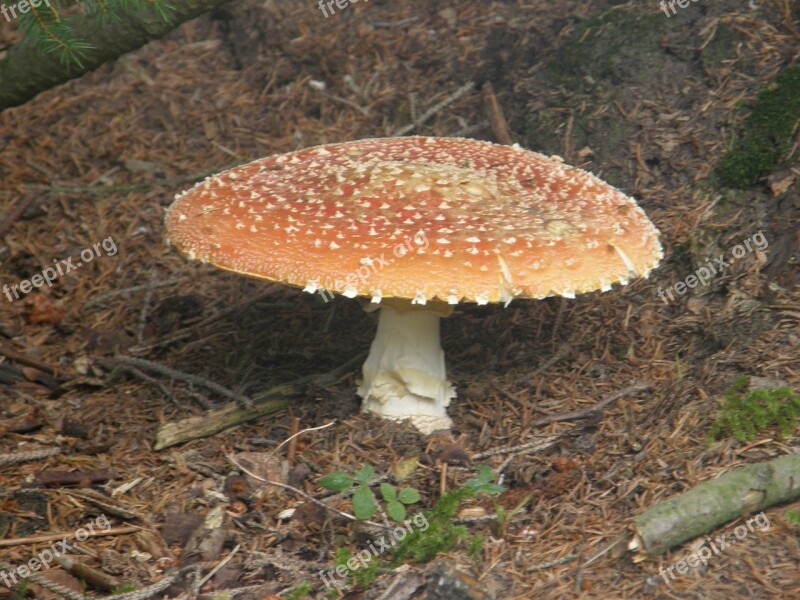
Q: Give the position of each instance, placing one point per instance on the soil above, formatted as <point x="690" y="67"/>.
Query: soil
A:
<point x="650" y="103"/>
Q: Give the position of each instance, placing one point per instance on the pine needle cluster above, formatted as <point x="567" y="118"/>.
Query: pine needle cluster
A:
<point x="49" y="27"/>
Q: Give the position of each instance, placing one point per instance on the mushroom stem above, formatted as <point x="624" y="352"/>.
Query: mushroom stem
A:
<point x="404" y="374"/>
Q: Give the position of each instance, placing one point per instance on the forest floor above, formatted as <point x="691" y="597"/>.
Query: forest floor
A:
<point x="646" y="101"/>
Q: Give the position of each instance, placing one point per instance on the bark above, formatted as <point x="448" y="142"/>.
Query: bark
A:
<point x="712" y="503"/>
<point x="25" y="70"/>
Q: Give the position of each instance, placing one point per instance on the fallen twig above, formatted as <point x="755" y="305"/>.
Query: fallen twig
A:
<point x="301" y="432"/>
<point x="496" y="118"/>
<point x="223" y="418"/>
<point x="73" y="477"/>
<point x="100" y="298"/>
<point x="152" y="590"/>
<point x="104" y="503"/>
<point x="529" y="447"/>
<point x="437" y="108"/>
<point x="552" y="563"/>
<point x="710" y="504"/>
<point x="146" y="365"/>
<point x="578" y="414"/>
<point x="216" y="568"/>
<point x="21" y="457"/>
<point x="51" y="537"/>
<point x="232" y="414"/>
<point x="148" y="298"/>
<point x="27" y="361"/>
<point x="38" y="579"/>
<point x="90" y="575"/>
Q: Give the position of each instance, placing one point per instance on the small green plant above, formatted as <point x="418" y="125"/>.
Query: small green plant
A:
<point x="124" y="589"/>
<point x="441" y="534"/>
<point x="299" y="592"/>
<point x="744" y="414"/>
<point x="364" y="502"/>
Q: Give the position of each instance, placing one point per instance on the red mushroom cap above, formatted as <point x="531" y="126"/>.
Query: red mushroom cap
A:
<point x="479" y="221"/>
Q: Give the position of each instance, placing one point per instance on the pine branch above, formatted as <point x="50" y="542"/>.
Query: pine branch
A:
<point x="59" y="48"/>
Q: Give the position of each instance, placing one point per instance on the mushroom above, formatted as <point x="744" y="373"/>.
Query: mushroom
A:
<point x="417" y="225"/>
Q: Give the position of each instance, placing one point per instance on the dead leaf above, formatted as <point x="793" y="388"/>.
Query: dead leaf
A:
<point x="405" y="467"/>
<point x="266" y="466"/>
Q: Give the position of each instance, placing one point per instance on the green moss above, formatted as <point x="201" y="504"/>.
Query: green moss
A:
<point x="124" y="589"/>
<point x="744" y="414"/>
<point x="440" y="536"/>
<point x="763" y="141"/>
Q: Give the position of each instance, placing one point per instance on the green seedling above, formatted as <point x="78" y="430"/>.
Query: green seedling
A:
<point x="299" y="592"/>
<point x="365" y="503"/>
<point x="441" y="533"/>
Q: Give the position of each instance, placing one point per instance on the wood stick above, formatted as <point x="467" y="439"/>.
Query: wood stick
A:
<point x="233" y="414"/>
<point x="710" y="504"/>
<point x="146" y="365"/>
<point x="21" y="457"/>
<point x="496" y="117"/>
<point x="72" y="477"/>
<point x="437" y="108"/>
<point x="292" y="449"/>
<point x="27" y="360"/>
<point x="52" y="537"/>
<point x="228" y="416"/>
<point x="94" y="577"/>
<point x="577" y="414"/>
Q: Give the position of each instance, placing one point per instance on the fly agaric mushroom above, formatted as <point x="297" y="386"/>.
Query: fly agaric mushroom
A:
<point x="498" y="222"/>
